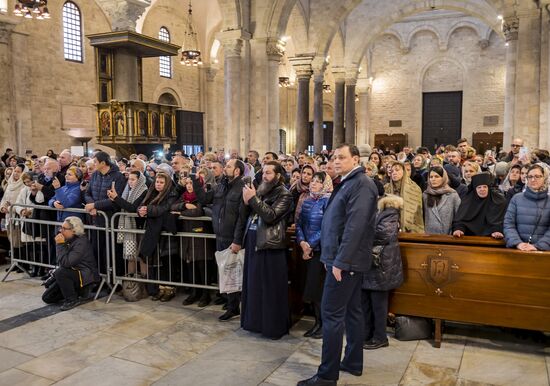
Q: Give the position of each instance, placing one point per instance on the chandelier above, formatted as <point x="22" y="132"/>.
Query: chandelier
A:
<point x="30" y="9"/>
<point x="190" y="54"/>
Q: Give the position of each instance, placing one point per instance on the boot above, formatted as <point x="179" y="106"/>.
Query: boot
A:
<point x="169" y="294"/>
<point x="317" y="325"/>
<point x="159" y="294"/>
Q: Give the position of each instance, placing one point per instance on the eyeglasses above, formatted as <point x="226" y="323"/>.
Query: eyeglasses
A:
<point x="512" y="145"/>
<point x="66" y="228"/>
<point x="536" y="177"/>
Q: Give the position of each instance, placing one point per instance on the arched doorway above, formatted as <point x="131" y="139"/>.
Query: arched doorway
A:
<point x="168" y="99"/>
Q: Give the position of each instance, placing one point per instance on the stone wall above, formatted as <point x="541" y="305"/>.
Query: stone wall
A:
<point x="429" y="62"/>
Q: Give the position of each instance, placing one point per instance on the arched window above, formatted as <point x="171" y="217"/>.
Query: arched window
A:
<point x="165" y="62"/>
<point x="72" y="32"/>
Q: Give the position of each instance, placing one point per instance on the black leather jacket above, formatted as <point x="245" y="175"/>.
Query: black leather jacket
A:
<point x="272" y="212"/>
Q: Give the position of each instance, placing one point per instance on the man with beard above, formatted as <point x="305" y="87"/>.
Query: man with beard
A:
<point x="265" y="278"/>
<point x="347" y="234"/>
<point x="229" y="217"/>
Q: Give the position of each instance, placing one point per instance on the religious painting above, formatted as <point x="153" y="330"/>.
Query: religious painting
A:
<point x="167" y="125"/>
<point x="155" y="124"/>
<point x="142" y="122"/>
<point x="105" y="123"/>
<point x="119" y="123"/>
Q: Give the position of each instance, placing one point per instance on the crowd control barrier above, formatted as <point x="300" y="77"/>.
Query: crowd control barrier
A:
<point x="32" y="241"/>
<point x="182" y="259"/>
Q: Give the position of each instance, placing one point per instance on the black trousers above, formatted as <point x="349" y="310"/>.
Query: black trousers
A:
<point x="375" y="311"/>
<point x="66" y="286"/>
<point x="234" y="298"/>
<point x="341" y="310"/>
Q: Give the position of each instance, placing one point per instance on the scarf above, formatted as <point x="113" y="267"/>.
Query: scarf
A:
<point x="436" y="193"/>
<point x="129" y="240"/>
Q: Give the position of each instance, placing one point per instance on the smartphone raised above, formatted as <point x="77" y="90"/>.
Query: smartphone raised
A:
<point x="247" y="181"/>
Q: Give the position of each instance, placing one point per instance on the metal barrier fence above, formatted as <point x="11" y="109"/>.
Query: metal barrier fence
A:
<point x="183" y="259"/>
<point x="32" y="240"/>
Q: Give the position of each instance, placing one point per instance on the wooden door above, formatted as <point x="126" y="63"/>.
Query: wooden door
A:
<point x="190" y="131"/>
<point x="441" y="118"/>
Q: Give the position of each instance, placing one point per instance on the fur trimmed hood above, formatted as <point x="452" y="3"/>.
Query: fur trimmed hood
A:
<point x="390" y="201"/>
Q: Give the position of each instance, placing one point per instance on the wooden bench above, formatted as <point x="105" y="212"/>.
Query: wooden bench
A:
<point x="473" y="280"/>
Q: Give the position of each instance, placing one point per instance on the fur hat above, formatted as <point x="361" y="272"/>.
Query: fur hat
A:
<point x="390" y="201"/>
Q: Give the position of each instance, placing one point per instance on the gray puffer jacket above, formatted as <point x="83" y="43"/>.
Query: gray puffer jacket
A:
<point x="386" y="273"/>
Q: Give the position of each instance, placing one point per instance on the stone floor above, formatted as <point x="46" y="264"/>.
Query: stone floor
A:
<point x="167" y="344"/>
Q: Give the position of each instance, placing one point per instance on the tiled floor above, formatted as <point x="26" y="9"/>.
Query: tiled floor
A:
<point x="147" y="343"/>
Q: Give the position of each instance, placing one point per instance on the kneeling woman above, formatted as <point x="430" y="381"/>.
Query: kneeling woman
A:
<point x="481" y="212"/>
<point x="77" y="265"/>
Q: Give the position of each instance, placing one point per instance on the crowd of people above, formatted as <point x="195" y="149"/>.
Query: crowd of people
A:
<point x="346" y="207"/>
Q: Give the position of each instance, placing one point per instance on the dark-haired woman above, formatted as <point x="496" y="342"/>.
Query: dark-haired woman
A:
<point x="300" y="189"/>
<point x="481" y="211"/>
<point x="527" y="220"/>
<point x="156" y="209"/>
<point x="308" y="237"/>
<point x="265" y="276"/>
<point x="441" y="203"/>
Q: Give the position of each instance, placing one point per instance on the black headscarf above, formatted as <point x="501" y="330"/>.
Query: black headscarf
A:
<point x="480" y="216"/>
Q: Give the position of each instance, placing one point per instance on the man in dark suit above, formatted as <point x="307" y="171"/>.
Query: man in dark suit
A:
<point x="346" y="250"/>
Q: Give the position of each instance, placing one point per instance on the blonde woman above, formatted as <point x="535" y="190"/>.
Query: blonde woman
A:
<point x="469" y="169"/>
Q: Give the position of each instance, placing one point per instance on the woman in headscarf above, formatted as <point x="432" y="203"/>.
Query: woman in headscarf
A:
<point x="512" y="178"/>
<point x="527" y="220"/>
<point x="133" y="195"/>
<point x="481" y="212"/>
<point x="441" y="203"/>
<point x="520" y="185"/>
<point x="308" y="237"/>
<point x="68" y="195"/>
<point x="412" y="219"/>
<point x="13" y="188"/>
<point x="300" y="190"/>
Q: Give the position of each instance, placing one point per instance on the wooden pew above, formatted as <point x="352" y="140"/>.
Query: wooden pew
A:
<point x="473" y="280"/>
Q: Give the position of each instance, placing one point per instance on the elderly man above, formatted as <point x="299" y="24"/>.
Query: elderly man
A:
<point x="139" y="165"/>
<point x="347" y="234"/>
<point x="253" y="159"/>
<point x="77" y="265"/>
<point x="65" y="159"/>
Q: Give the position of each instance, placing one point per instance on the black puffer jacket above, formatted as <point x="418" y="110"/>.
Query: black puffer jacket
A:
<point x="77" y="253"/>
<point x="272" y="209"/>
<point x="229" y="214"/>
<point x="386" y="273"/>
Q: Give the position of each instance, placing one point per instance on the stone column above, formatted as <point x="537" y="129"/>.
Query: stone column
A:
<point x="303" y="75"/>
<point x="126" y="76"/>
<point x="211" y="137"/>
<point x="339" y="97"/>
<point x="124" y="14"/>
<point x="350" y="111"/>
<point x="510" y="29"/>
<point x="318" y="112"/>
<point x="363" y="134"/>
<point x="7" y="105"/>
<point x="232" y="83"/>
<point x="274" y="51"/>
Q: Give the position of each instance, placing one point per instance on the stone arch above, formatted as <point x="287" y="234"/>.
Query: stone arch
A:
<point x="161" y="92"/>
<point x="404" y="48"/>
<point x="422" y="28"/>
<point x="232" y="14"/>
<point x="441" y="61"/>
<point x="276" y="17"/>
<point x="484" y="12"/>
<point x="465" y="24"/>
<point x="298" y="42"/>
<point x="212" y="41"/>
<point x="336" y="49"/>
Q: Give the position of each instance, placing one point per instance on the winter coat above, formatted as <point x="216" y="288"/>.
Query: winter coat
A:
<point x="386" y="272"/>
<point x="229" y="214"/>
<point x="438" y="219"/>
<point x="69" y="196"/>
<point x="347" y="231"/>
<point x="158" y="219"/>
<point x="24" y="198"/>
<point x="308" y="227"/>
<point x="97" y="192"/>
<point x="272" y="209"/>
<point x="521" y="216"/>
<point x="194" y="248"/>
<point x="77" y="253"/>
<point x="412" y="218"/>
